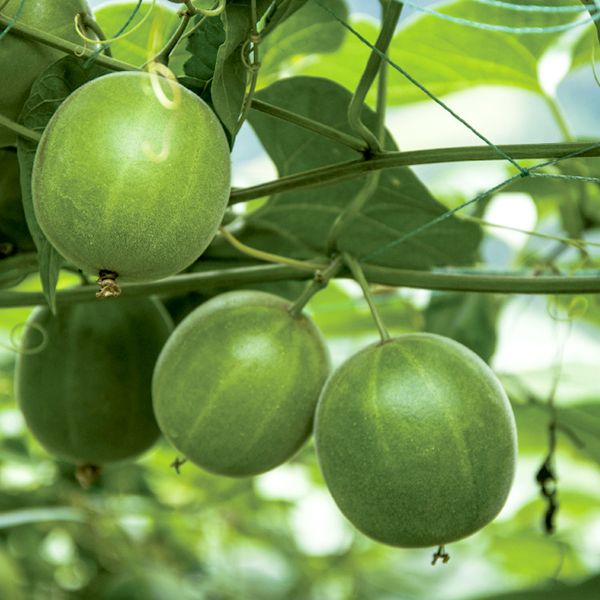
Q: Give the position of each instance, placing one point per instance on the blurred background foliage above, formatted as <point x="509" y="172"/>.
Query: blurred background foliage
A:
<point x="144" y="532"/>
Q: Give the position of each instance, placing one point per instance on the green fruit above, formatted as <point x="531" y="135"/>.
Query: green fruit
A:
<point x="124" y="184"/>
<point x="13" y="226"/>
<point x="86" y="396"/>
<point x="236" y="385"/>
<point x="23" y="60"/>
<point x="416" y="441"/>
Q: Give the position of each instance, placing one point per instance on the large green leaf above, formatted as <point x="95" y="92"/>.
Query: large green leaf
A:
<point x="448" y="57"/>
<point x="280" y="11"/>
<point x="578" y="423"/>
<point x="556" y="590"/>
<point x="299" y="221"/>
<point x="231" y="74"/>
<point x="47" y="93"/>
<point x="310" y="30"/>
<point x="585" y="49"/>
<point x="204" y="44"/>
<point x="339" y="314"/>
<point x="582" y="424"/>
<point x="468" y="318"/>
<point x="593" y="10"/>
<point x="140" y="45"/>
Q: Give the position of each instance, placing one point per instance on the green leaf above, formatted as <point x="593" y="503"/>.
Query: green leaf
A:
<point x="280" y="12"/>
<point x="447" y="57"/>
<point x="47" y="93"/>
<point x="203" y="46"/>
<point x="40" y="515"/>
<point x="14" y="269"/>
<point x="578" y="423"/>
<point x="555" y="590"/>
<point x="135" y="47"/>
<point x="585" y="48"/>
<point x="311" y="30"/>
<point x="593" y="10"/>
<point x="14" y="235"/>
<point x="229" y="82"/>
<point x="581" y="424"/>
<point x="468" y="318"/>
<point x="302" y="219"/>
<point x="340" y="315"/>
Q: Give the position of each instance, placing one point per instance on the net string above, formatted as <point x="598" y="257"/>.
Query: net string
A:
<point x="104" y="45"/>
<point x="523" y="171"/>
<point x="574" y="8"/>
<point x="515" y="7"/>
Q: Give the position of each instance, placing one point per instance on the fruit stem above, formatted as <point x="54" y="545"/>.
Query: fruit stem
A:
<point x="320" y="281"/>
<point x="359" y="276"/>
<point x="368" y="77"/>
<point x="274" y="258"/>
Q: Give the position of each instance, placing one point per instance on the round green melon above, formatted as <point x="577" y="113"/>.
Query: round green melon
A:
<point x="124" y="184"/>
<point x="86" y="396"/>
<point x="23" y="60"/>
<point x="416" y="441"/>
<point x="236" y="385"/>
<point x="13" y="226"/>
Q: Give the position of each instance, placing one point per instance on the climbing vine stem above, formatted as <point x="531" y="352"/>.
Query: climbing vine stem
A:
<point x="470" y="280"/>
<point x="21" y="130"/>
<point x="346" y="171"/>
<point x="31" y="33"/>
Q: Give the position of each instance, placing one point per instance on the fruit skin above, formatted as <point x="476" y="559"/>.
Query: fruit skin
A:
<point x="86" y="397"/>
<point x="104" y="198"/>
<point x="416" y="441"/>
<point x="13" y="226"/>
<point x="236" y="385"/>
<point x="23" y="60"/>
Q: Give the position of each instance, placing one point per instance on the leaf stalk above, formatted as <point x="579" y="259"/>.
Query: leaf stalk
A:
<point x="368" y="77"/>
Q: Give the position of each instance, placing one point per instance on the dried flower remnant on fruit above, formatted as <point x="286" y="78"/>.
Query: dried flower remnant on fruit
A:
<point x="88" y="474"/>
<point x="109" y="288"/>
<point x="440" y="554"/>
